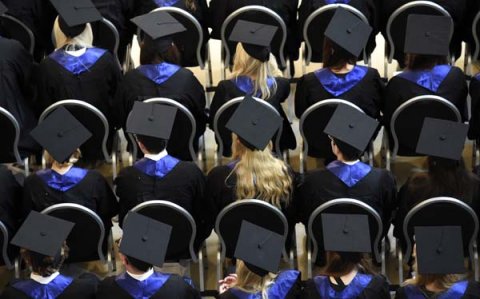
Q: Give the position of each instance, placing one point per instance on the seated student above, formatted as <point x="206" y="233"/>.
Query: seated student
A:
<point x="348" y="272"/>
<point x="348" y="177"/>
<point x="11" y="192"/>
<point x="61" y="135"/>
<point x="140" y="280"/>
<point x="254" y="75"/>
<point x="160" y="75"/>
<point x="258" y="254"/>
<point x="439" y="266"/>
<point x="340" y="77"/>
<point x="42" y="239"/>
<point x="159" y="176"/>
<point x="474" y="125"/>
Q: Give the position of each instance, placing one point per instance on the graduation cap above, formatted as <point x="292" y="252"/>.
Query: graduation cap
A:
<point x="259" y="248"/>
<point x="346" y="233"/>
<point x="74" y="14"/>
<point x="149" y="119"/>
<point x="145" y="239"/>
<point x="42" y="233"/>
<point x="348" y="31"/>
<point x="442" y="138"/>
<point x="3" y="8"/>
<point x="254" y="123"/>
<point x="255" y="38"/>
<point x="351" y="126"/>
<point x="60" y="134"/>
<point x="428" y="35"/>
<point x="439" y="249"/>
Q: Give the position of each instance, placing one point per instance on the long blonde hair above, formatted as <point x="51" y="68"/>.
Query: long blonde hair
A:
<point x="260" y="175"/>
<point x="84" y="39"/>
<point x="259" y="72"/>
<point x="250" y="282"/>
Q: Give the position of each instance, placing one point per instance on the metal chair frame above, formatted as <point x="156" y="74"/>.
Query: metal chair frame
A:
<point x="16" y="153"/>
<point x="31" y="48"/>
<point x="6" y="258"/>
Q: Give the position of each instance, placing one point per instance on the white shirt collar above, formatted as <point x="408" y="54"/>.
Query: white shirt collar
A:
<point x="351" y="162"/>
<point x="43" y="280"/>
<point x="156" y="157"/>
<point x="143" y="276"/>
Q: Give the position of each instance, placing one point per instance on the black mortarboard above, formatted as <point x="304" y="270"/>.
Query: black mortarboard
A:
<point x="348" y="31"/>
<point x="60" y="134"/>
<point x="428" y="35"/>
<point x="254" y="123"/>
<point x="442" y="138"/>
<point x="74" y="14"/>
<point x="255" y="38"/>
<point x="346" y="233"/>
<point x="145" y="239"/>
<point x="42" y="233"/>
<point x="439" y="249"/>
<point x="260" y="248"/>
<point x="3" y="8"/>
<point x="351" y="126"/>
<point x="149" y="119"/>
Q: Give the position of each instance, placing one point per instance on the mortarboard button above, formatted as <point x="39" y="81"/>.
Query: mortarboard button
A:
<point x="255" y="38"/>
<point x="159" y="24"/>
<point x="76" y="12"/>
<point x="157" y="124"/>
<point x="428" y="35"/>
<point x="346" y="233"/>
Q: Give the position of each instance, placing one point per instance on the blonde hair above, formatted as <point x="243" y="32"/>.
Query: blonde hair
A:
<point x="246" y="65"/>
<point x="84" y="39"/>
<point x="260" y="175"/>
<point x="250" y="282"/>
<point x="72" y="160"/>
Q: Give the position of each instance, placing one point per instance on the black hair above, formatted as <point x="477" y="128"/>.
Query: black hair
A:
<point x="45" y="265"/>
<point x="152" y="144"/>
<point x="415" y="62"/>
<point x="335" y="56"/>
<point x="349" y="152"/>
<point x="138" y="264"/>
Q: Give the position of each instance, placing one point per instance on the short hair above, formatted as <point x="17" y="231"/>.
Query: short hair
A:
<point x="152" y="144"/>
<point x="335" y="56"/>
<point x="349" y="152"/>
<point x="45" y="265"/>
<point x="151" y="52"/>
<point x="138" y="264"/>
<point x="415" y="62"/>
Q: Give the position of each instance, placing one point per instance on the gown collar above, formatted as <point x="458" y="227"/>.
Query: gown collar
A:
<point x="456" y="291"/>
<point x="352" y="290"/>
<point x="158" y="168"/>
<point x="142" y="289"/>
<point x="165" y="3"/>
<point x="158" y="73"/>
<point x="78" y="65"/>
<point x="283" y="284"/>
<point x="62" y="182"/>
<point x="338" y="85"/>
<point x="246" y="84"/>
<point x="429" y="79"/>
<point x="51" y="290"/>
<point x="349" y="174"/>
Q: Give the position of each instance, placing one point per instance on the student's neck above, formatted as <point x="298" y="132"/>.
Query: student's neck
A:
<point x="342" y="70"/>
<point x="61" y="169"/>
<point x="434" y="287"/>
<point x="347" y="278"/>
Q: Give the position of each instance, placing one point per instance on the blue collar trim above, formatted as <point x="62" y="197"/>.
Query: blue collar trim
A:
<point x="430" y="79"/>
<point x="80" y="64"/>
<point x="165" y="3"/>
<point x="246" y="84"/>
<point x="352" y="290"/>
<point x="158" y="168"/>
<point x="340" y="85"/>
<point x="142" y="289"/>
<point x="349" y="174"/>
<point x="159" y="73"/>
<point x="62" y="182"/>
<point x="455" y="292"/>
<point x="278" y="290"/>
<point x="51" y="290"/>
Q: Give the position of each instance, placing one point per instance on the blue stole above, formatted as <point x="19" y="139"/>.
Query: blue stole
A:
<point x="142" y="289"/>
<point x="247" y="85"/>
<point x="337" y="86"/>
<point x="158" y="73"/>
<point x="349" y="174"/>
<point x="429" y="79"/>
<point x="158" y="168"/>
<point x="337" y="1"/>
<point x="80" y="64"/>
<point x="455" y="292"/>
<point x="278" y="290"/>
<point x="232" y="164"/>
<point x="167" y="3"/>
<point x="356" y="286"/>
<point x="477" y="76"/>
<point x="62" y="182"/>
<point x="51" y="290"/>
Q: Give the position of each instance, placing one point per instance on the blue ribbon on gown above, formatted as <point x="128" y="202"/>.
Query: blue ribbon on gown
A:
<point x="158" y="73"/>
<point x="338" y="85"/>
<point x="247" y="85"/>
<point x="62" y="182"/>
<point x="278" y="290"/>
<point x="352" y="290"/>
<point x="456" y="291"/>
<point x="158" y="168"/>
<point x="349" y="174"/>
<point x="165" y="3"/>
<point x="142" y="289"/>
<point x="51" y="290"/>
<point x="429" y="79"/>
<point x="78" y="65"/>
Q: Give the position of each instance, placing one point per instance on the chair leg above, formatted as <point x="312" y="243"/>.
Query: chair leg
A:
<point x="17" y="267"/>
<point x="400" y="264"/>
<point x="384" y="270"/>
<point x="475" y="261"/>
<point x="201" y="274"/>
<point x="26" y="166"/>
<point x="309" y="259"/>
<point x="219" y="265"/>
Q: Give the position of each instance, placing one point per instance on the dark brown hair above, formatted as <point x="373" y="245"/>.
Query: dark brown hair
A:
<point x="151" y="52"/>
<point x="336" y="57"/>
<point x="415" y="62"/>
<point x="342" y="263"/>
<point x="45" y="265"/>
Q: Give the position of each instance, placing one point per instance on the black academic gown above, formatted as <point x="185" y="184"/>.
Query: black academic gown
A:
<point x="363" y="286"/>
<point x="173" y="287"/>
<point x="11" y="195"/>
<point x="474" y="125"/>
<point x="16" y="92"/>
<point x="473" y="7"/>
<point x="229" y="89"/>
<point x="459" y="290"/>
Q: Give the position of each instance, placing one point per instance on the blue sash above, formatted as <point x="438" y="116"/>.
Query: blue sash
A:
<point x="51" y="290"/>
<point x="356" y="286"/>
<point x="158" y="73"/>
<point x="430" y="79"/>
<point x="349" y="174"/>
<point x="158" y="168"/>
<point x="142" y="289"/>
<point x="337" y="86"/>
<point x="62" y="182"/>
<point x="247" y="85"/>
<point x="165" y="3"/>
<point x="455" y="292"/>
<point x="78" y="65"/>
<point x="278" y="290"/>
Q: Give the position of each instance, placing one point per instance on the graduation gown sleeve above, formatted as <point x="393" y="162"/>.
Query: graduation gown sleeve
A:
<point x="11" y="195"/>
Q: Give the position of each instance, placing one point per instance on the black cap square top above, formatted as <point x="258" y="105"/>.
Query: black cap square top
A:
<point x="150" y="119"/>
<point x="442" y="138"/>
<point x="428" y="35"/>
<point x="77" y="12"/>
<point x="145" y="239"/>
<point x="348" y="31"/>
<point x="158" y="24"/>
<point x="42" y="233"/>
<point x="255" y="38"/>
<point x="346" y="233"/>
<point x="60" y="133"/>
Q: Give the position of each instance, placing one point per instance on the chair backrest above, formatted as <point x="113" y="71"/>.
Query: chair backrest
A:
<point x="94" y="120"/>
<point x="13" y="28"/>
<point x="87" y="239"/>
<point x="312" y="123"/>
<point x="224" y="135"/>
<point x="106" y="36"/>
<point x="442" y="211"/>
<point x="10" y="137"/>
<point x="397" y="23"/>
<point x="407" y="121"/>
<point x="315" y="26"/>
<point x="258" y="212"/>
<point x="259" y="14"/>
<point x="184" y="229"/>
<point x="345" y="206"/>
<point x="476" y="37"/>
<point x="4" y="242"/>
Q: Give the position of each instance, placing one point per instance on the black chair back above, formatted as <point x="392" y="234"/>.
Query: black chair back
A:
<point x="475" y="47"/>
<point x="106" y="36"/>
<point x="13" y="28"/>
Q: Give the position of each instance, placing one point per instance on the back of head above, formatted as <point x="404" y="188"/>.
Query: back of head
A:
<point x="335" y="57"/>
<point x="342" y="263"/>
<point x="449" y="178"/>
<point x="250" y="282"/>
<point x="76" y="155"/>
<point x="416" y="62"/>
<point x="441" y="281"/>
<point x="138" y="264"/>
<point x="81" y="35"/>
<point x="152" y="145"/>
<point x="349" y="152"/>
<point x="154" y="51"/>
<point x="45" y="265"/>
